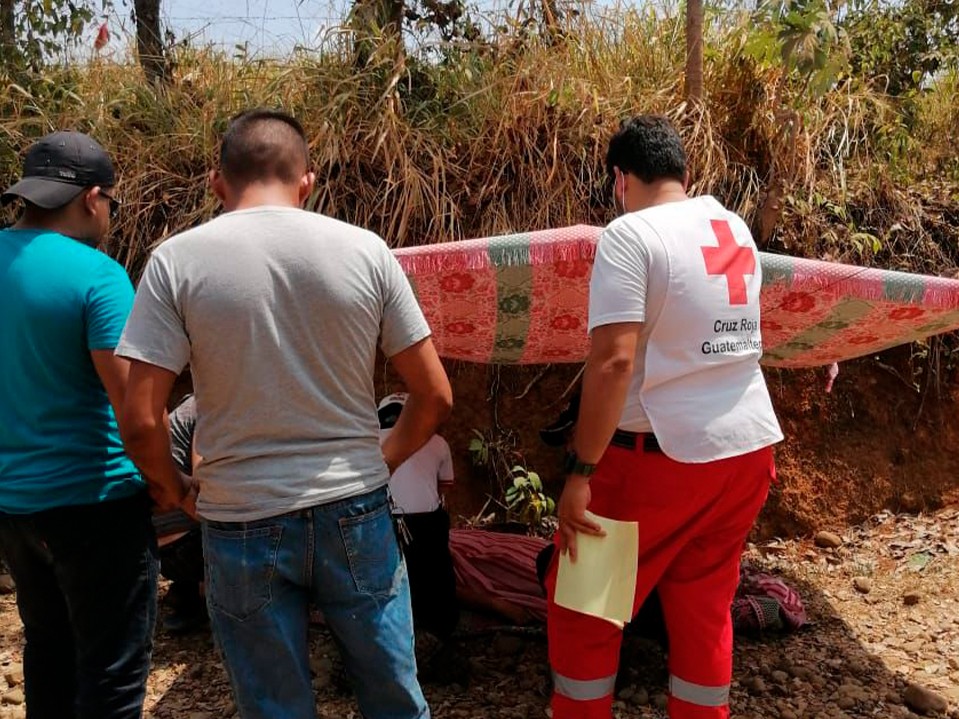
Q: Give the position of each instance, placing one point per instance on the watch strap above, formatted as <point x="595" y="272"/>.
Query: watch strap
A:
<point x="573" y="465"/>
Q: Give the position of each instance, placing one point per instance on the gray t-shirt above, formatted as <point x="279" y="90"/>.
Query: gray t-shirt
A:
<point x="182" y="427"/>
<point x="279" y="312"/>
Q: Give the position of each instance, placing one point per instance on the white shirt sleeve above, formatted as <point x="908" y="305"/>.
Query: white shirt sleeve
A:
<point x="445" y="473"/>
<point x="617" y="288"/>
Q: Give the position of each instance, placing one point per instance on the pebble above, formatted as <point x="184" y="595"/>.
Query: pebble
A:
<point x="780" y="677"/>
<point x="660" y="701"/>
<point x="756" y="685"/>
<point x="863" y="585"/>
<point x="911" y="599"/>
<point x="827" y="540"/>
<point x="640" y="698"/>
<point x="14" y="696"/>
<point x="7" y="585"/>
<point x="14" y="675"/>
<point x="924" y="701"/>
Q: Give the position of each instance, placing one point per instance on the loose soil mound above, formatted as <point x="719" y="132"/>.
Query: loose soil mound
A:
<point x="874" y="442"/>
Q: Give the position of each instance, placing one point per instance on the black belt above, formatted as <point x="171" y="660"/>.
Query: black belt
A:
<point x="632" y="440"/>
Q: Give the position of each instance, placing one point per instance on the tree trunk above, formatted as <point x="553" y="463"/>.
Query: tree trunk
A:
<point x="150" y="47"/>
<point x="7" y="28"/>
<point x="695" y="20"/>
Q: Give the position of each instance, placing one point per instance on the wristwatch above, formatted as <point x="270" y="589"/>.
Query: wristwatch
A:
<point x="573" y="465"/>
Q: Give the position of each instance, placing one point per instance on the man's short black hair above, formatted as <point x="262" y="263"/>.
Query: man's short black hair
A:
<point x="648" y="147"/>
<point x="264" y="145"/>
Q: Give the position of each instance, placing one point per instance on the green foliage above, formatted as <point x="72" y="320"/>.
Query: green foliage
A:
<point x="526" y="499"/>
<point x="902" y="46"/>
<point x="42" y="29"/>
<point x="514" y="486"/>
<point x="804" y="37"/>
<point x="481" y="449"/>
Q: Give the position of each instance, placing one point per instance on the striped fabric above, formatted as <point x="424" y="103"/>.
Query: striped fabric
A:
<point x="522" y="299"/>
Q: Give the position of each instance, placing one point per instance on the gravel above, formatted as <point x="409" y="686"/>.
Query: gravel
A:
<point x="890" y="650"/>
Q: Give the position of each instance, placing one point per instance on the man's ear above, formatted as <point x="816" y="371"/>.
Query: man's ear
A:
<point x="218" y="185"/>
<point x="686" y="181"/>
<point x="307" y="183"/>
<point x="90" y="199"/>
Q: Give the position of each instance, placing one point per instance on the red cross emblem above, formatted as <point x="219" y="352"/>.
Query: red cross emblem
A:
<point x="730" y="259"/>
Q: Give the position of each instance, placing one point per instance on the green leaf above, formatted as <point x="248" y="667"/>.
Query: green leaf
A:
<point x="918" y="562"/>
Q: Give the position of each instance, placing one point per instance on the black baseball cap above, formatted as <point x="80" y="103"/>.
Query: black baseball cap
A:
<point x="58" y="167"/>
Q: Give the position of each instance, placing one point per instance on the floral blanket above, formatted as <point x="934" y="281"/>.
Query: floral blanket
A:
<point x="522" y="299"/>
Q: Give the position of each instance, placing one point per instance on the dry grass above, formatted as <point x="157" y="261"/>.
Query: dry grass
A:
<point x="510" y="135"/>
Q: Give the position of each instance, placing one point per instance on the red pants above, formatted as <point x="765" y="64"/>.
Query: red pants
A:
<point x="693" y="522"/>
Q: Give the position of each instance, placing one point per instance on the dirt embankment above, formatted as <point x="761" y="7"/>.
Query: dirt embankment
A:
<point x="874" y="442"/>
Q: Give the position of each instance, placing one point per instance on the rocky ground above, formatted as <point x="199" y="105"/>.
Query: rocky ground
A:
<point x="884" y="642"/>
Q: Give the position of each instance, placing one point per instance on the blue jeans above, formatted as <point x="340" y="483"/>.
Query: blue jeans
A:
<point x="344" y="558"/>
<point x="86" y="581"/>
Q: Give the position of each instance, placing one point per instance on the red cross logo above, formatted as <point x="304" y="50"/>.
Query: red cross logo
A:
<point x="730" y="259"/>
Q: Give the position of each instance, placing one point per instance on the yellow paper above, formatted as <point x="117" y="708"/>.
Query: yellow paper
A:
<point x="602" y="581"/>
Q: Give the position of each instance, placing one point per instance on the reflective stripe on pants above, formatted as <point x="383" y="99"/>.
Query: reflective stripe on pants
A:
<point x="697" y="693"/>
<point x="584" y="690"/>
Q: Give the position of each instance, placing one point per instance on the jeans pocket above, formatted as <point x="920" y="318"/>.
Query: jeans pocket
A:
<point x="372" y="551"/>
<point x="240" y="565"/>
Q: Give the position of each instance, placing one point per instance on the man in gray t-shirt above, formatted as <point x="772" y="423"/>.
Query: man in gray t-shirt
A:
<point x="279" y="313"/>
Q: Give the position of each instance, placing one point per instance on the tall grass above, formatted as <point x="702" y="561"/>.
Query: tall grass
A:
<point x="510" y="135"/>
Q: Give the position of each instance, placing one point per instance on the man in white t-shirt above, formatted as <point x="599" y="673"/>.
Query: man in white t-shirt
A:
<point x="418" y="487"/>
<point x="675" y="427"/>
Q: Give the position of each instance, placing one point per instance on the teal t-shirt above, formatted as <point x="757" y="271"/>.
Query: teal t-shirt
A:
<point x="59" y="442"/>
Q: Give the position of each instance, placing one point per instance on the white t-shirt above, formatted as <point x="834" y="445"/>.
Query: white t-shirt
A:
<point x="689" y="272"/>
<point x="279" y="313"/>
<point x="416" y="483"/>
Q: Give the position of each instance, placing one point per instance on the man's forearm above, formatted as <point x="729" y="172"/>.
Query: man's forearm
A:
<point x="605" y="384"/>
<point x="419" y="420"/>
<point x="150" y="451"/>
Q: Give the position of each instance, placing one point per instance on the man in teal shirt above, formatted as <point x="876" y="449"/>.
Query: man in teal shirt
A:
<point x="74" y="512"/>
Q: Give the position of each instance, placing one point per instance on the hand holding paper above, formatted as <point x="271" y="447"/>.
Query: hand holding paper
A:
<point x="572" y="515"/>
<point x="602" y="581"/>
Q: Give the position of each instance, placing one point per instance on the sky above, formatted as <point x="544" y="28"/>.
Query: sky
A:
<point x="272" y="27"/>
<point x="266" y="26"/>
